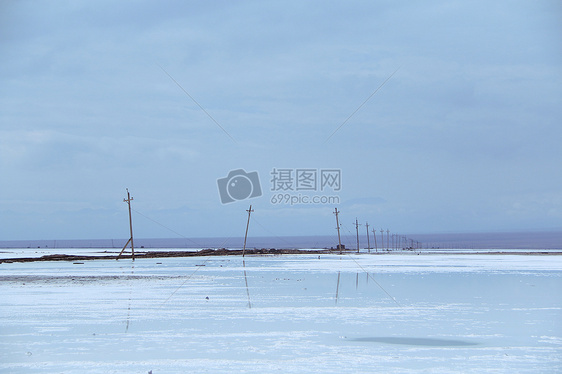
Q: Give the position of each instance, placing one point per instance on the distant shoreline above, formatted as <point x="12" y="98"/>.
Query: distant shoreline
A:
<point x="257" y="252"/>
<point x="166" y="254"/>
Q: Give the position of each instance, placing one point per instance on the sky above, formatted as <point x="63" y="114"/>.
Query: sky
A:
<point x="433" y="116"/>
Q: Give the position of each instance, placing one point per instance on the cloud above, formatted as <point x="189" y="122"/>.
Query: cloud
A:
<point x="471" y="117"/>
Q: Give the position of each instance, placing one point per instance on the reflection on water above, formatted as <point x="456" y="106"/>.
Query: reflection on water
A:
<point x="405" y="340"/>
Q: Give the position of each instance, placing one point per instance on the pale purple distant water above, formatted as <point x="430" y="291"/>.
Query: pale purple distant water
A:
<point x="518" y="240"/>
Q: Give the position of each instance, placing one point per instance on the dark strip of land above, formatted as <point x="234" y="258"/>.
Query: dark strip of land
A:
<point x="164" y="254"/>
<point x="250" y="252"/>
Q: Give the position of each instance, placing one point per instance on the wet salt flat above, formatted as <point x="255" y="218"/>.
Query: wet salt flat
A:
<point x="396" y="313"/>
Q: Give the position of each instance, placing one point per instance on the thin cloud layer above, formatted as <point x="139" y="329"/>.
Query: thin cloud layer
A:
<point x="463" y="137"/>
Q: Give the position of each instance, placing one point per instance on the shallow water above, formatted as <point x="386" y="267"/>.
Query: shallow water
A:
<point x="302" y="313"/>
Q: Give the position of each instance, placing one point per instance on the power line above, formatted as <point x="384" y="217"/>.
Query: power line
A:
<point x="374" y="280"/>
<point x="363" y="103"/>
<point x="172" y="230"/>
<point x="199" y="105"/>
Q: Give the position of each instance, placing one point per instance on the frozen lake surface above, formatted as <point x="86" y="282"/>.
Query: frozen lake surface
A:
<point x="393" y="313"/>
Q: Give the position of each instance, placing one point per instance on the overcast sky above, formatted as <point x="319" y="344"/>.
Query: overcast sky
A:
<point x="463" y="133"/>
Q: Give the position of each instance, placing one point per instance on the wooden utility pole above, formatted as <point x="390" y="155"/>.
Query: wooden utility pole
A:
<point x="368" y="242"/>
<point x="128" y="201"/>
<point x="382" y="239"/>
<point x="338" y="228"/>
<point x="375" y="236"/>
<point x="246" y="236"/>
<point x="357" y="229"/>
<point x="387" y="241"/>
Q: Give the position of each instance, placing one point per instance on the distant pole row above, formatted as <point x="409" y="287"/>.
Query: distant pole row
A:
<point x="394" y="241"/>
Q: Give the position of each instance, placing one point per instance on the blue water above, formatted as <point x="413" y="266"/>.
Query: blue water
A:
<point x="514" y="240"/>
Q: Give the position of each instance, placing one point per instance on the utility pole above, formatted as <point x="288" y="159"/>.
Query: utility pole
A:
<point x="375" y="236"/>
<point x="338" y="228"/>
<point x="357" y="230"/>
<point x="382" y="239"/>
<point x="246" y="236"/>
<point x="387" y="242"/>
<point x="128" y="201"/>
<point x="368" y="242"/>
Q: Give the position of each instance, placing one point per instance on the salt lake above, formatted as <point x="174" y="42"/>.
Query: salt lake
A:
<point x="360" y="313"/>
